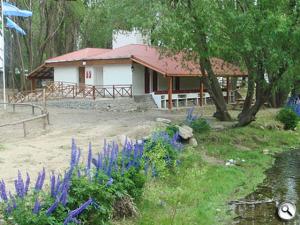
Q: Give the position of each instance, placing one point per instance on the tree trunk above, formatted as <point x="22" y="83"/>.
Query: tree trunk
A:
<point x="211" y="82"/>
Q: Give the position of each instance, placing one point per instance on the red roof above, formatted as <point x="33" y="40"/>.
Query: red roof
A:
<point x="82" y="54"/>
<point x="150" y="57"/>
<point x="167" y="65"/>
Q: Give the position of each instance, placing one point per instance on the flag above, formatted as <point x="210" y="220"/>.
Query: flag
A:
<point x="11" y="10"/>
<point x="12" y="25"/>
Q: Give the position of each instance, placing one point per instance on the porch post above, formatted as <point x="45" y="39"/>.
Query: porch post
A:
<point x="170" y="84"/>
<point x="201" y="91"/>
<point x="227" y="89"/>
<point x="33" y="85"/>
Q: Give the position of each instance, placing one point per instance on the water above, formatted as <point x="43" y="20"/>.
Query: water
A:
<point x="281" y="184"/>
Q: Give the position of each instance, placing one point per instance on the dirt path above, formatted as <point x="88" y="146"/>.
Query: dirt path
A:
<point x="51" y="148"/>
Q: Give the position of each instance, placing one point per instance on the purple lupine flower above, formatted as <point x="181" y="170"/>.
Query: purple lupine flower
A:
<point x="37" y="182"/>
<point x="74" y="154"/>
<point x="52" y="208"/>
<point x="3" y="193"/>
<point x="19" y="186"/>
<point x="76" y="212"/>
<point x="13" y="200"/>
<point x="89" y="157"/>
<point x="78" y="173"/>
<point x="110" y="181"/>
<point x="64" y="196"/>
<point x="9" y="209"/>
<point x="78" y="156"/>
<point x="52" y="184"/>
<point x="100" y="161"/>
<point x="37" y="206"/>
<point x="27" y="182"/>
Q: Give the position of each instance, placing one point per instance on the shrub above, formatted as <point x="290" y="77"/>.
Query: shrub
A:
<point x="288" y="117"/>
<point x="161" y="153"/>
<point x="294" y="104"/>
<point x="172" y="129"/>
<point x="200" y="125"/>
<point x="92" y="193"/>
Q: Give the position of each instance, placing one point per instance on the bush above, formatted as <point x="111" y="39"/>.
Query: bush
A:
<point x="161" y="153"/>
<point x="172" y="129"/>
<point x="95" y="192"/>
<point x="200" y="125"/>
<point x="288" y="117"/>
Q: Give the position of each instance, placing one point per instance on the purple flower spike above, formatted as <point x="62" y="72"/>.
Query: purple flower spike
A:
<point x="52" y="185"/>
<point x="37" y="207"/>
<point x="52" y="207"/>
<point x="89" y="162"/>
<point x="3" y="192"/>
<point x="110" y="181"/>
<point x="77" y="211"/>
<point x="27" y="182"/>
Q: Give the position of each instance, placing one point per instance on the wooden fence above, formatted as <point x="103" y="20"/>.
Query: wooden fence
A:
<point x="43" y="115"/>
<point x="59" y="90"/>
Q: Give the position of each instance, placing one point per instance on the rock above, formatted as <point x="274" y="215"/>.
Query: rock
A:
<point x="193" y="142"/>
<point x="163" y="120"/>
<point x="218" y="127"/>
<point x="266" y="151"/>
<point x="122" y="139"/>
<point x="185" y="132"/>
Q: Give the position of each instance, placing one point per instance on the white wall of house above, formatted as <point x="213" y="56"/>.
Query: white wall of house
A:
<point x="66" y="74"/>
<point x="98" y="80"/>
<point x="117" y="74"/>
<point x="138" y="79"/>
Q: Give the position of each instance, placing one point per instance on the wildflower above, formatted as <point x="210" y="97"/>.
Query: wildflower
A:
<point x="27" y="182"/>
<point x="110" y="181"/>
<point x="37" y="207"/>
<point x="52" y="208"/>
<point x="3" y="193"/>
<point x="76" y="212"/>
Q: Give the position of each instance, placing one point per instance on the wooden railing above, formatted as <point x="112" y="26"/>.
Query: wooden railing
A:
<point x="59" y="90"/>
<point x="44" y="115"/>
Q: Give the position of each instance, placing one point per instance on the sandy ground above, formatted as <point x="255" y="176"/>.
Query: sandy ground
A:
<point x="51" y="148"/>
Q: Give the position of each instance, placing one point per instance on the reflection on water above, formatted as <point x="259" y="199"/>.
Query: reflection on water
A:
<point x="281" y="184"/>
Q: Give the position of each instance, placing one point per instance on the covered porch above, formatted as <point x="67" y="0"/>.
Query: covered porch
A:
<point x="188" y="90"/>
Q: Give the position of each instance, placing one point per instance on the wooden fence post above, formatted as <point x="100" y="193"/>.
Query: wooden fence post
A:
<point x="14" y="108"/>
<point x="32" y="107"/>
<point x="24" y="129"/>
<point x="113" y="91"/>
<point x="94" y="97"/>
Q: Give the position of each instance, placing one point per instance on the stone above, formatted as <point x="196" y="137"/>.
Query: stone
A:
<point x="218" y="127"/>
<point x="163" y="120"/>
<point x="122" y="139"/>
<point x="193" y="142"/>
<point x="266" y="151"/>
<point x="185" y="132"/>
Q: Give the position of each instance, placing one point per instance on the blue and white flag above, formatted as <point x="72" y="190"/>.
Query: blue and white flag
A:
<point x="12" y="25"/>
<point x="12" y="10"/>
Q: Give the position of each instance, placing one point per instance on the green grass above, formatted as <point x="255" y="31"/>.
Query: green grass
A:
<point x="198" y="192"/>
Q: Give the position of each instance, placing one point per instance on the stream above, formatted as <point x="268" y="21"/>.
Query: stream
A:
<point x="281" y="184"/>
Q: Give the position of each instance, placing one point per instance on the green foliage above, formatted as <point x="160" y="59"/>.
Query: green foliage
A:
<point x="172" y="129"/>
<point x="200" y="125"/>
<point x="160" y="154"/>
<point x="288" y="117"/>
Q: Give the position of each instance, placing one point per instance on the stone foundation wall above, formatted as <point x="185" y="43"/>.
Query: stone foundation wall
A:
<point x="116" y="105"/>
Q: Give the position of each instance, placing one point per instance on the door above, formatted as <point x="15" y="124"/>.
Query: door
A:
<point x="81" y="78"/>
<point x="147" y="81"/>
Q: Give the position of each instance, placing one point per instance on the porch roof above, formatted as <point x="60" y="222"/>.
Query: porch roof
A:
<point x="42" y="72"/>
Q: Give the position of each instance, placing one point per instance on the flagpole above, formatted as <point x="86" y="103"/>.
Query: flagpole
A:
<point x="3" y="58"/>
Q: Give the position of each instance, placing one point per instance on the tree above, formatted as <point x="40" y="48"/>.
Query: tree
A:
<point x="264" y="34"/>
<point x="180" y="26"/>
